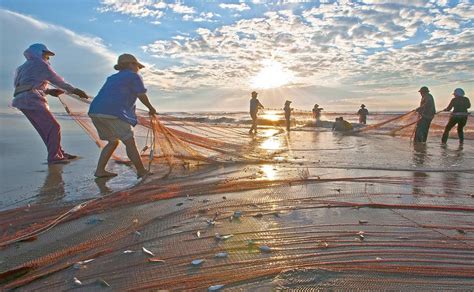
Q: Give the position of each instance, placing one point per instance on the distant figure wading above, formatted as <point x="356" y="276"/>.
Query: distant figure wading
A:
<point x="363" y="113"/>
<point x="31" y="88"/>
<point x="255" y="105"/>
<point x="460" y="103"/>
<point x="288" y="111"/>
<point x="426" y="112"/>
<point x="317" y="113"/>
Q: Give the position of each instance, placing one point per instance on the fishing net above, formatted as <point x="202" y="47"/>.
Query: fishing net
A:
<point x="405" y="125"/>
<point x="235" y="210"/>
<point x="278" y="236"/>
<point x="164" y="139"/>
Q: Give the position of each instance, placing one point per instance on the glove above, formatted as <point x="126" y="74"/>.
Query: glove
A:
<point x="54" y="92"/>
<point x="152" y="111"/>
<point x="80" y="93"/>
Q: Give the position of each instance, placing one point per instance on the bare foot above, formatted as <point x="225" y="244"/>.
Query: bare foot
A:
<point x="142" y="174"/>
<point x="104" y="174"/>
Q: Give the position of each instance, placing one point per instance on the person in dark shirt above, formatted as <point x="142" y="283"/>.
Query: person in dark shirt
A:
<point x="426" y="111"/>
<point x="255" y="105"/>
<point x="363" y="113"/>
<point x="459" y="104"/>
<point x="288" y="110"/>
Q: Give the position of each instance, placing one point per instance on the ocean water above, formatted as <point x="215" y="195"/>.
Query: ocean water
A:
<point x="27" y="179"/>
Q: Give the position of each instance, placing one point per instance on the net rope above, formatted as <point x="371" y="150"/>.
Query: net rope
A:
<point x="428" y="241"/>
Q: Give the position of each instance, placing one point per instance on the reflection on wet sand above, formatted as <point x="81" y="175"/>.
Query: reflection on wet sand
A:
<point x="53" y="186"/>
<point x="272" y="141"/>
<point x="452" y="159"/>
<point x="419" y="177"/>
<point x="269" y="171"/>
<point x="101" y="183"/>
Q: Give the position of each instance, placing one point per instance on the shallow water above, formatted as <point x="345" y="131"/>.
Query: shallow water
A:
<point x="27" y="179"/>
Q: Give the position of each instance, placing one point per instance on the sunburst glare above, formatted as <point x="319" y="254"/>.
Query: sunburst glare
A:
<point x="272" y="75"/>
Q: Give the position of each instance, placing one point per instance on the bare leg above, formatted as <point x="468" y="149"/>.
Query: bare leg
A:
<point x="132" y="153"/>
<point x="104" y="158"/>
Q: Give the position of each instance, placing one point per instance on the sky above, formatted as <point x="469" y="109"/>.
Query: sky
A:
<point x="209" y="55"/>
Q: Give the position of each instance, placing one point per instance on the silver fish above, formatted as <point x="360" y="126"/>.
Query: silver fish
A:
<point x="102" y="282"/>
<point x="265" y="248"/>
<point x="221" y="255"/>
<point x="223" y="237"/>
<point x="77" y="282"/>
<point x="156" y="260"/>
<point x="197" y="262"/>
<point x="215" y="288"/>
<point x="148" y="252"/>
<point x="85" y="261"/>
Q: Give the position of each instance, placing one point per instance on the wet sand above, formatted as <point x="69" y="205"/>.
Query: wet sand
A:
<point x="27" y="179"/>
<point x="337" y="212"/>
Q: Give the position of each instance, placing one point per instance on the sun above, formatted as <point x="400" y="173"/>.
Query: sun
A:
<point x="272" y="75"/>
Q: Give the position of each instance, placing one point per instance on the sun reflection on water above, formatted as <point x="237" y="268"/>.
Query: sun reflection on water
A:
<point x="271" y="143"/>
<point x="269" y="171"/>
<point x="271" y="116"/>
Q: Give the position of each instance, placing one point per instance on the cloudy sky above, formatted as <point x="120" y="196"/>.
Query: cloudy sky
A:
<point x="209" y="55"/>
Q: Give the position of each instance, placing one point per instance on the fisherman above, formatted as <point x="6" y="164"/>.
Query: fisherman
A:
<point x="426" y="112"/>
<point x="113" y="113"/>
<point x="31" y="88"/>
<point x="340" y="125"/>
<point x="460" y="103"/>
<point x="317" y="113"/>
<point x="255" y="105"/>
<point x="363" y="113"/>
<point x="288" y="111"/>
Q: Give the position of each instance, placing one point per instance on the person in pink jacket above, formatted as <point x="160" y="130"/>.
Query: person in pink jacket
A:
<point x="31" y="88"/>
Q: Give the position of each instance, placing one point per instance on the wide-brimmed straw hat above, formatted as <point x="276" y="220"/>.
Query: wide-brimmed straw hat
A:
<point x="254" y="92"/>
<point x="125" y="59"/>
<point x="288" y="101"/>
<point x="362" y="105"/>
<point x="424" y="89"/>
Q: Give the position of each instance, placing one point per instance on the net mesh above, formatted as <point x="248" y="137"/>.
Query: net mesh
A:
<point x="252" y="229"/>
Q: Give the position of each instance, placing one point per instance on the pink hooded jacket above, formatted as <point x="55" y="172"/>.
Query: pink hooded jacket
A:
<point x="37" y="73"/>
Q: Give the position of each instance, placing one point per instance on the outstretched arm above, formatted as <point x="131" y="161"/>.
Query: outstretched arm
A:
<point x="449" y="107"/>
<point x="144" y="99"/>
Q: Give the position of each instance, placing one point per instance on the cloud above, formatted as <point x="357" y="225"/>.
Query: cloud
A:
<point x="203" y="17"/>
<point x="138" y="8"/>
<point x="20" y="31"/>
<point x="154" y="9"/>
<point x="182" y="9"/>
<point x="383" y="47"/>
<point x="238" y="7"/>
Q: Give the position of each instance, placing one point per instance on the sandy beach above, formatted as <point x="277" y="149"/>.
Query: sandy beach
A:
<point x="326" y="211"/>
